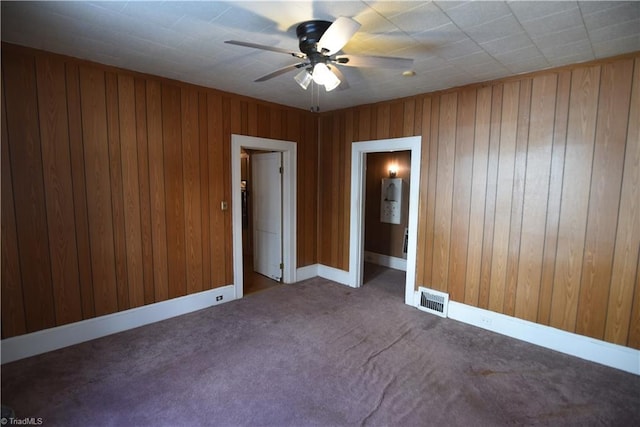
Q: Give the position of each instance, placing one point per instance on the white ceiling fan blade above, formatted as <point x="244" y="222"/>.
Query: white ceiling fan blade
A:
<point x="263" y="47"/>
<point x="374" y="61"/>
<point x="280" y="71"/>
<point x="337" y="35"/>
<point x="343" y="80"/>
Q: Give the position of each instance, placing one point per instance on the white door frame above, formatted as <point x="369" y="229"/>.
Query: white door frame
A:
<point x="289" y="204"/>
<point x="358" y="180"/>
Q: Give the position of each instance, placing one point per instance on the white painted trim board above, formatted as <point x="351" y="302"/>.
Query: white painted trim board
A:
<point x="602" y="352"/>
<point x="386" y="260"/>
<point x="46" y="340"/>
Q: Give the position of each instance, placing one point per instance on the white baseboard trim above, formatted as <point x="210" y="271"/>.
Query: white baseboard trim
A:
<point x="334" y="274"/>
<point x="39" y="342"/>
<point x="386" y="260"/>
<point x="306" y="272"/>
<point x="604" y="353"/>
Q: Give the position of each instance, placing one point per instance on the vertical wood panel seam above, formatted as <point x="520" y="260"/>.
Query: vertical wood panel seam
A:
<point x="588" y="202"/>
<point x="72" y="196"/>
<point x="84" y="176"/>
<point x="44" y="203"/>
<point x="635" y="299"/>
<point x="620" y="194"/>
<point x="473" y="168"/>
<point x="561" y="184"/>
<point x="524" y="189"/>
<point x="4" y="113"/>
<point x="453" y="184"/>
<point x="113" y="196"/>
<point x="549" y="172"/>
<point x="636" y="63"/>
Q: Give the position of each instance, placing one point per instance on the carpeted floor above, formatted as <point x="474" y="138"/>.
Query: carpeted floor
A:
<point x="316" y="354"/>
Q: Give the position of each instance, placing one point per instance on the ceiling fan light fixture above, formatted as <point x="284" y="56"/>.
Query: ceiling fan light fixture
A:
<point x="304" y="79"/>
<point x="323" y="76"/>
<point x="332" y="82"/>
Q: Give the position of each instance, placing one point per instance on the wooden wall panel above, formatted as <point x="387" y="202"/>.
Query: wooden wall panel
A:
<point x="337" y="246"/>
<point x="536" y="192"/>
<point x="515" y="228"/>
<point x="431" y="191"/>
<point x="463" y="169"/>
<point x="174" y="189"/>
<point x="112" y="184"/>
<point x="13" y="314"/>
<point x="308" y="161"/>
<point x="491" y="197"/>
<point x="191" y="185"/>
<point x="422" y="250"/>
<point x="131" y="190"/>
<point x="76" y="151"/>
<point x="117" y="192"/>
<point x="554" y="199"/>
<point x="606" y="179"/>
<point x="324" y="197"/>
<point x="620" y="324"/>
<point x="217" y="237"/>
<point x="346" y="183"/>
<point x="504" y="195"/>
<point x="517" y="213"/>
<point x="478" y="188"/>
<point x="98" y="186"/>
<point x="58" y="188"/>
<point x="142" y="144"/>
<point x="575" y="196"/>
<point x="444" y="191"/>
<point x="203" y="155"/>
<point x="634" y="324"/>
<point x="551" y="236"/>
<point x="157" y="191"/>
<point x="20" y="92"/>
<point x="231" y="125"/>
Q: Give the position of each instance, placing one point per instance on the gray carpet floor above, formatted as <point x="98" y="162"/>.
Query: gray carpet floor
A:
<point x="316" y="354"/>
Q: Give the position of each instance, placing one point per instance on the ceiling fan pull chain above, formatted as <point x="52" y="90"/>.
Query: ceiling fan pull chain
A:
<point x="315" y="87"/>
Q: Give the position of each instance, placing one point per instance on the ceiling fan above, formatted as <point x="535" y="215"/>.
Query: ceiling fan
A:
<point x="319" y="43"/>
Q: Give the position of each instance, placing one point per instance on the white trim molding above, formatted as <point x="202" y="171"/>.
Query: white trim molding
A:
<point x="602" y="352"/>
<point x="307" y="272"/>
<point x="334" y="274"/>
<point x="46" y="340"/>
<point x="386" y="260"/>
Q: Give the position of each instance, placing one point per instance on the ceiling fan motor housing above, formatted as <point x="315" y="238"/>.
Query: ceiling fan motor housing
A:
<point x="309" y="33"/>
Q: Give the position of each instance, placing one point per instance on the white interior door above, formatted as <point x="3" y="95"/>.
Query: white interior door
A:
<point x="266" y="186"/>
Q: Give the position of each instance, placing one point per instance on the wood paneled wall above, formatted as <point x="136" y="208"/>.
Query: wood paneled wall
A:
<point x="529" y="199"/>
<point x="112" y="183"/>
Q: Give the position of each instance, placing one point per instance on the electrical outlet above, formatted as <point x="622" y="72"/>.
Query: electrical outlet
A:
<point x="219" y="298"/>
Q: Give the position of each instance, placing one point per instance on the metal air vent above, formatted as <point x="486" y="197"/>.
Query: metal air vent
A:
<point x="431" y="301"/>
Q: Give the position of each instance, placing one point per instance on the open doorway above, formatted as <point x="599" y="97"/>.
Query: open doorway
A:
<point x="386" y="217"/>
<point x="287" y="149"/>
<point x="262" y="246"/>
<point x="360" y="150"/>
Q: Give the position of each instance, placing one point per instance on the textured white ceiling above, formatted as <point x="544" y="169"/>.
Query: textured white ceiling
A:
<point x="452" y="43"/>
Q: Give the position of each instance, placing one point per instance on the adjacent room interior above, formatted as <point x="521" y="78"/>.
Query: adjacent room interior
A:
<point x="320" y="213"/>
